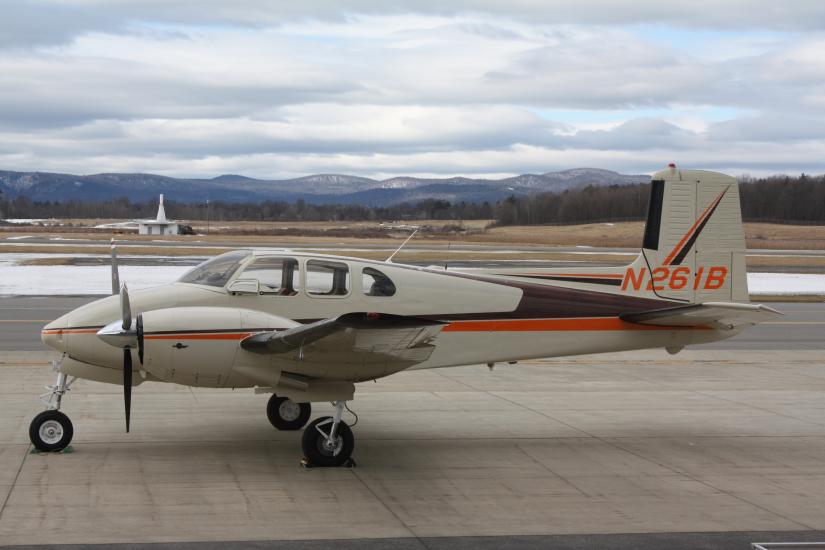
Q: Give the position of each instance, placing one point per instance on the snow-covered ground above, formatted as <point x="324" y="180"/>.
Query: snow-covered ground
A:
<point x="21" y="280"/>
<point x="791" y="284"/>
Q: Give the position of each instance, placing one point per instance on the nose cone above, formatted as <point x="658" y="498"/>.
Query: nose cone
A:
<point x="54" y="334"/>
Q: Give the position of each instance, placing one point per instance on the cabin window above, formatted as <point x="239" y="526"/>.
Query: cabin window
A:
<point x="274" y="275"/>
<point x="375" y="283"/>
<point x="217" y="271"/>
<point x="327" y="278"/>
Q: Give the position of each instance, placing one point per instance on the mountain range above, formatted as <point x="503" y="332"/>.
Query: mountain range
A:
<point x="315" y="189"/>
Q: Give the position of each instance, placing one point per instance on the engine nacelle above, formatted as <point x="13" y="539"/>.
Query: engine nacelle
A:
<point x="197" y="346"/>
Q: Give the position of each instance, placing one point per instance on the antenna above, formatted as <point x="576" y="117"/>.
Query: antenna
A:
<point x="389" y="260"/>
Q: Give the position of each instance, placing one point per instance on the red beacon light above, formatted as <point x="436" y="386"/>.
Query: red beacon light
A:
<point x="672" y="166"/>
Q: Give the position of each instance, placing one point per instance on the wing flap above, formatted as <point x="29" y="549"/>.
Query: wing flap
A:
<point x="723" y="315"/>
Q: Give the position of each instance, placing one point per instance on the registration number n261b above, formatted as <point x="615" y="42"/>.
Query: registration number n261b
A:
<point x="674" y="278"/>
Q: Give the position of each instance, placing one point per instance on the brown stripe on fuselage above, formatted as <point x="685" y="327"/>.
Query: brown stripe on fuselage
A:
<point x="614" y="280"/>
<point x="555" y="325"/>
<point x="546" y="301"/>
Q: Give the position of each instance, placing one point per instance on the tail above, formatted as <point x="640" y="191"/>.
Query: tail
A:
<point x="694" y="242"/>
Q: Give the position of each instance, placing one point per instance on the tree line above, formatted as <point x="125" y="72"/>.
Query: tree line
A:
<point x="781" y="199"/>
<point x="777" y="199"/>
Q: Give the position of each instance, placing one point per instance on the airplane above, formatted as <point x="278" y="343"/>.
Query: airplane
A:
<point x="308" y="327"/>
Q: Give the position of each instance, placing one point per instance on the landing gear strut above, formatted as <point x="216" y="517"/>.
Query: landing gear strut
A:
<point x="328" y="441"/>
<point x="286" y="414"/>
<point x="51" y="430"/>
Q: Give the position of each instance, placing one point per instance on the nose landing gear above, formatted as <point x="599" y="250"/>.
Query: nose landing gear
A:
<point x="51" y="430"/>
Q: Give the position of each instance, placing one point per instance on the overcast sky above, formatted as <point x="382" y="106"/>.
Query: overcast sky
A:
<point x="411" y="87"/>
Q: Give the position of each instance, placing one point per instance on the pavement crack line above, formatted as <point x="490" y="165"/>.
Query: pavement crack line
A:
<point x="662" y="465"/>
<point x="14" y="482"/>
<point x="400" y="521"/>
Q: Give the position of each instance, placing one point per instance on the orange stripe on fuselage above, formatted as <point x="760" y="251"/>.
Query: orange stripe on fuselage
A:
<point x="551" y="325"/>
<point x="199" y="336"/>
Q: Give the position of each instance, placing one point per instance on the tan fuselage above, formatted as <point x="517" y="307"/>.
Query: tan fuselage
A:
<point x="193" y="331"/>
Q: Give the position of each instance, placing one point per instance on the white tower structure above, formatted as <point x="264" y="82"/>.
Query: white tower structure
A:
<point x="161" y="212"/>
<point x="160" y="225"/>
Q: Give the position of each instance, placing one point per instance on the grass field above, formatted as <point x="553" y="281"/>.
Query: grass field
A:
<point x="620" y="235"/>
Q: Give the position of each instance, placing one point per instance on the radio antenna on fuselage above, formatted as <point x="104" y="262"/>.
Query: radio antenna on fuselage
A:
<point x="389" y="260"/>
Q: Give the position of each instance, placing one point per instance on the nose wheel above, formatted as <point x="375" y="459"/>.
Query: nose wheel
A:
<point x="285" y="414"/>
<point x="51" y="431"/>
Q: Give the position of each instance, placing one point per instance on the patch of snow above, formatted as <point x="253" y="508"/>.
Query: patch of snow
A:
<point x="20" y="238"/>
<point x="787" y="284"/>
<point x="122" y="225"/>
<point x="56" y="280"/>
<point x="26" y="220"/>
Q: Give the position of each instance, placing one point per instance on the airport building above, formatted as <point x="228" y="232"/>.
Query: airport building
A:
<point x="160" y="225"/>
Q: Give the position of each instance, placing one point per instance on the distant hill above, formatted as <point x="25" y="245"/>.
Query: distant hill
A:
<point x="314" y="189"/>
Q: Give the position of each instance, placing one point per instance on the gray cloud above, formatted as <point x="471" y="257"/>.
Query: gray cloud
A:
<point x="371" y="89"/>
<point x="50" y="22"/>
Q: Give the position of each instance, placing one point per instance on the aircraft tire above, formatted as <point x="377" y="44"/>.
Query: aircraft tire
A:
<point x="313" y="443"/>
<point x="287" y="415"/>
<point x="51" y="431"/>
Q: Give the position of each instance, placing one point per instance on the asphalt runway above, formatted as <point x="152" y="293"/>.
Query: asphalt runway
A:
<point x="708" y="449"/>
<point x="803" y="326"/>
<point x="420" y="245"/>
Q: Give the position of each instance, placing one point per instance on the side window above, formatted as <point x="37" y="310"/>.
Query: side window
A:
<point x="327" y="278"/>
<point x="275" y="275"/>
<point x="375" y="283"/>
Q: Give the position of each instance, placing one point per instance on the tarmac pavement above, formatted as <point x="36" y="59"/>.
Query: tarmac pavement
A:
<point x="705" y="449"/>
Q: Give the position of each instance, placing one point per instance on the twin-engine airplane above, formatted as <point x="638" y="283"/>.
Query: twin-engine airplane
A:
<point x="307" y="328"/>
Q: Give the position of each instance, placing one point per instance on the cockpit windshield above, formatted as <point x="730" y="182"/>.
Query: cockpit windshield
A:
<point x="217" y="271"/>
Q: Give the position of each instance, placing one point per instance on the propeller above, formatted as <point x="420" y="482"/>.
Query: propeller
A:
<point x="126" y="311"/>
<point x="121" y="335"/>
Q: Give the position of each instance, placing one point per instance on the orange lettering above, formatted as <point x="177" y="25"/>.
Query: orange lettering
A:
<point x="631" y="278"/>
<point x="716" y="277"/>
<point x="698" y="278"/>
<point x="657" y="276"/>
<point x="678" y="278"/>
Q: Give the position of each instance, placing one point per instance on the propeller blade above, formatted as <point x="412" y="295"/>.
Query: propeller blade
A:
<point x="127" y="385"/>
<point x="125" y="308"/>
<point x="115" y="274"/>
<point x="139" y="334"/>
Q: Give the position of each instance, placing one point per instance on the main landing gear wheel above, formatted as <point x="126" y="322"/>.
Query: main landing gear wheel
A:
<point x="286" y="414"/>
<point x="327" y="441"/>
<point x="51" y="431"/>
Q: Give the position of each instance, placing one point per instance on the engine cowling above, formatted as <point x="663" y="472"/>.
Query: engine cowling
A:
<point x="197" y="346"/>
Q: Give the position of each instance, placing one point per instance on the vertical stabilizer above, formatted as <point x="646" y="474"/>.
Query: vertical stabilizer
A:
<point x="694" y="242"/>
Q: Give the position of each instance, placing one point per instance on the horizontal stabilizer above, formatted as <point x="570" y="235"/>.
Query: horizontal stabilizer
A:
<point x="722" y="315"/>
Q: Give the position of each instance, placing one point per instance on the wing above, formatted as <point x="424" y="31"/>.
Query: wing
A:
<point x="354" y="337"/>
<point x="722" y="315"/>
